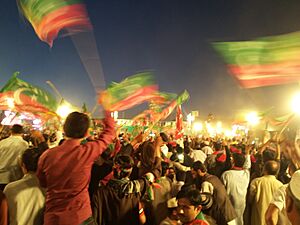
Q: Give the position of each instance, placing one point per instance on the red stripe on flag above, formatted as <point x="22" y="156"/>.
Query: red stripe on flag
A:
<point x="70" y="16"/>
<point x="266" y="75"/>
<point x="136" y="98"/>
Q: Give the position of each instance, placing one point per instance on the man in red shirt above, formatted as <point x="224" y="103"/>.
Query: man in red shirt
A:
<point x="65" y="171"/>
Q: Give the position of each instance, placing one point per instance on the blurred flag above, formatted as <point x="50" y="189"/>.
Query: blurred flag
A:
<point x="20" y="96"/>
<point x="279" y="121"/>
<point x="49" y="17"/>
<point x="184" y="96"/>
<point x="265" y="61"/>
<point x="163" y="98"/>
<point x="179" y="127"/>
<point x="130" y="92"/>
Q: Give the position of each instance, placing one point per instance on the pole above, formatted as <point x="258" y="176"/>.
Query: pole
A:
<point x="55" y="90"/>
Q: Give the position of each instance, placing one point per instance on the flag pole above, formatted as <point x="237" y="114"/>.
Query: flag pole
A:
<point x="280" y="133"/>
<point x="55" y="90"/>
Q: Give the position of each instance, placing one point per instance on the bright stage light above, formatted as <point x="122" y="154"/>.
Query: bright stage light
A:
<point x="252" y="118"/>
<point x="63" y="111"/>
<point x="197" y="126"/>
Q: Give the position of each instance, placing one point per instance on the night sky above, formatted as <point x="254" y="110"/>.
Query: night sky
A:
<point x="172" y="38"/>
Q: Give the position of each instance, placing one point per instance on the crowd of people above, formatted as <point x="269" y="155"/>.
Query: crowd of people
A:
<point x="116" y="179"/>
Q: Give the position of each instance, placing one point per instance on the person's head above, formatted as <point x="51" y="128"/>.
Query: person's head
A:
<point x="171" y="173"/>
<point x="17" y="129"/>
<point x="29" y="160"/>
<point x="147" y="157"/>
<point x="198" y="169"/>
<point x="189" y="205"/>
<point x="180" y="175"/>
<point x="238" y="159"/>
<point x="187" y="150"/>
<point x="218" y="146"/>
<point x="268" y="155"/>
<point x="164" y="137"/>
<point x="76" y="125"/>
<point x="293" y="199"/>
<point x="122" y="167"/>
<point x="206" y="143"/>
<point x="271" y="167"/>
<point x="164" y="168"/>
<point x="172" y="209"/>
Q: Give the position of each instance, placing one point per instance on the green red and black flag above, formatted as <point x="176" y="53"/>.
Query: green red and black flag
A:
<point x="49" y="17"/>
<point x="263" y="62"/>
<point x="130" y="92"/>
<point x="20" y="96"/>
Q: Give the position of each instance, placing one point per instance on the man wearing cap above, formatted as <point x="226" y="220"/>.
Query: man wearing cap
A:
<point x="172" y="218"/>
<point x="11" y="150"/>
<point x="293" y="199"/>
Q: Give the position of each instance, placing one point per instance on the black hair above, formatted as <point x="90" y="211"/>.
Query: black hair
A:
<point x="164" y="168"/>
<point x="218" y="146"/>
<point x="164" y="137"/>
<point x="193" y="195"/>
<point x="17" y="129"/>
<point x="30" y="159"/>
<point x="180" y="175"/>
<point x="239" y="159"/>
<point x="268" y="155"/>
<point x="179" y="149"/>
<point x="76" y="125"/>
<point x="199" y="166"/>
<point x="122" y="166"/>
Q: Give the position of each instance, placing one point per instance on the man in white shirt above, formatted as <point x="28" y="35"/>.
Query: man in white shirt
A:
<point x="261" y="192"/>
<point x="207" y="149"/>
<point x="26" y="199"/>
<point x="276" y="212"/>
<point x="11" y="149"/>
<point x="236" y="182"/>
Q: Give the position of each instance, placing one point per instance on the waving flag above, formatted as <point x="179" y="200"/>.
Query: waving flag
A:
<point x="163" y="98"/>
<point x="18" y="95"/>
<point x="49" y="17"/>
<point x="130" y="92"/>
<point x="179" y="127"/>
<point x="184" y="96"/>
<point x="264" y="61"/>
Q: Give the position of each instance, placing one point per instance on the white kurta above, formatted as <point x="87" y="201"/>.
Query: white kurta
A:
<point x="26" y="201"/>
<point x="236" y="183"/>
<point x="11" y="150"/>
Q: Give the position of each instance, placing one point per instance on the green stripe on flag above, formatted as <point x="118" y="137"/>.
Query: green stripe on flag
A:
<point x="37" y="9"/>
<point x="40" y="96"/>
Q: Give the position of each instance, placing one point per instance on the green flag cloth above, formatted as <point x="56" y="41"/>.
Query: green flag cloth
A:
<point x="262" y="62"/>
<point x="18" y="95"/>
<point x="130" y="92"/>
